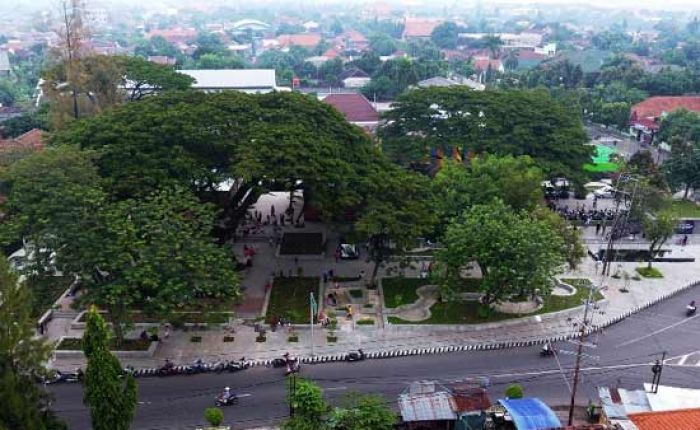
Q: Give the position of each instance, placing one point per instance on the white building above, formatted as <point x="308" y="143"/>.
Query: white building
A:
<point x="246" y="80"/>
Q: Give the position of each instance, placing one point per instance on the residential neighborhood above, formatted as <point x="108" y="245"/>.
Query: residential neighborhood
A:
<point x="349" y="215"/>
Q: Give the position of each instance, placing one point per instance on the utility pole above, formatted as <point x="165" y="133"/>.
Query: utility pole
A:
<point x="579" y="353"/>
<point x="656" y="369"/>
<point x="292" y="393"/>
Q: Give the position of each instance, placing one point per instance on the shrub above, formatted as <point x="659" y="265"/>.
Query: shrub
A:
<point x="293" y="339"/>
<point x="514" y="391"/>
<point x="228" y="338"/>
<point x="649" y="272"/>
<point x="196" y="339"/>
<point x="331" y="339"/>
<point x="214" y="416"/>
<point x="365" y="321"/>
<point x="261" y="338"/>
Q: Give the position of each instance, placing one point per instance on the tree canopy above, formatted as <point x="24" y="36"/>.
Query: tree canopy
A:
<point x="516" y="252"/>
<point x="446" y="35"/>
<point x="22" y="356"/>
<point x="109" y="393"/>
<point x="496" y="122"/>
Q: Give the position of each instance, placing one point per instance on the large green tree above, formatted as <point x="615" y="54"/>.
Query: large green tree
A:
<point x="497" y="122"/>
<point x="515" y="180"/>
<point x="355" y="412"/>
<point x="22" y="356"/>
<point x="446" y="35"/>
<point x="516" y="252"/>
<point x="658" y="227"/>
<point x="682" y="169"/>
<point x="109" y="393"/>
<point x="156" y="254"/>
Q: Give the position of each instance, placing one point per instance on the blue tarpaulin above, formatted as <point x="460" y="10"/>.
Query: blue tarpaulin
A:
<point x="531" y="414"/>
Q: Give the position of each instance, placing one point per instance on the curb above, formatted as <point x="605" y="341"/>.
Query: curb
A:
<point x="486" y="346"/>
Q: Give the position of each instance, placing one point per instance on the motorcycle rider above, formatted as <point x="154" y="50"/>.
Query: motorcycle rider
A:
<point x="547" y="349"/>
<point x="226" y="395"/>
<point x="691" y="307"/>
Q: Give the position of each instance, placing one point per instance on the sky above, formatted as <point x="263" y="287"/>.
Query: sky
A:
<point x="34" y="5"/>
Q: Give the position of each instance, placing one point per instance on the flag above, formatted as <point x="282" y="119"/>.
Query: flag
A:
<point x="314" y="306"/>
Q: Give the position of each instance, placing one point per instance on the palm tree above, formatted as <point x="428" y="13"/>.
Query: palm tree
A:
<point x="494" y="44"/>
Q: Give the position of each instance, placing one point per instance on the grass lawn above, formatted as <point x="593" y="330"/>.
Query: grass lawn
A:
<point x="456" y="313"/>
<point x="75" y="344"/>
<point x="355" y="294"/>
<point x="649" y="272"/>
<point x="559" y="303"/>
<point x="685" y="209"/>
<point x="468" y="312"/>
<point x="291" y="294"/>
<point x="601" y="167"/>
<point x="302" y="243"/>
<point x="401" y="291"/>
<point x="175" y="318"/>
<point x="45" y="291"/>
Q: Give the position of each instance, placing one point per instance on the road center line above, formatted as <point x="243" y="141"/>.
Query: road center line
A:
<point x="658" y="331"/>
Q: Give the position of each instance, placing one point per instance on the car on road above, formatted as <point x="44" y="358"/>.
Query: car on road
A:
<point x="349" y="251"/>
<point x="605" y="193"/>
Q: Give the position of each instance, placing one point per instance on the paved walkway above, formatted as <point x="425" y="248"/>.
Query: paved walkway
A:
<point x="381" y="335"/>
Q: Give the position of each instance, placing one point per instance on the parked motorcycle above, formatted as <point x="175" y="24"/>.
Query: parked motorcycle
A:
<point x="168" y="369"/>
<point x="69" y="377"/>
<point x="690" y="309"/>
<point x="358" y="355"/>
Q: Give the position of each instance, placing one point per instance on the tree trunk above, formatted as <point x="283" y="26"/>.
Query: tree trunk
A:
<point x="651" y="255"/>
<point x="373" y="278"/>
<point x="687" y="188"/>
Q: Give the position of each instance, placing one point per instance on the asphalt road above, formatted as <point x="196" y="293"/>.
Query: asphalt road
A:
<point x="623" y="355"/>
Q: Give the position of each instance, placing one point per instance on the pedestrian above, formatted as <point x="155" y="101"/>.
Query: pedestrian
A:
<point x="330" y="273"/>
<point x="685" y="240"/>
<point x="296" y="261"/>
<point x="325" y="277"/>
<point x="337" y="255"/>
<point x="362" y="274"/>
<point x="166" y="334"/>
<point x="597" y="266"/>
<point x="597" y="228"/>
<point x="270" y="240"/>
<point x="281" y="219"/>
<point x="595" y="202"/>
<point x="272" y="210"/>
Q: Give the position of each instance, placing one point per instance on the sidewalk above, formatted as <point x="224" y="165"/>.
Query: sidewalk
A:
<point x="389" y="337"/>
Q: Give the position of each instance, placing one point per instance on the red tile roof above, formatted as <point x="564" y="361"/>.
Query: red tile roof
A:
<point x="654" y="107"/>
<point x="354" y="107"/>
<point x="483" y="64"/>
<point x="419" y="27"/>
<point x="174" y="35"/>
<point x="331" y="53"/>
<point x="355" y="36"/>
<point x="31" y="140"/>
<point x="681" y="419"/>
<point x="526" y="54"/>
<point x="307" y="40"/>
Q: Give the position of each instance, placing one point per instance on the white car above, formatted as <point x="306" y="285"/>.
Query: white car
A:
<point x="605" y="193"/>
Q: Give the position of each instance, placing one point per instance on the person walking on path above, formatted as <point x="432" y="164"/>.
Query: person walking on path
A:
<point x="597" y="228"/>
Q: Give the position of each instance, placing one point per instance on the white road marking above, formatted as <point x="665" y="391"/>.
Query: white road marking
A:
<point x="335" y="388"/>
<point x="683" y="359"/>
<point x="657" y="331"/>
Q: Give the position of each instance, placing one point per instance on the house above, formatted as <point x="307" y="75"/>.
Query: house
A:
<point x="354" y="41"/>
<point x="305" y="40"/>
<point x="427" y="405"/>
<point x="246" y="80"/>
<point x="21" y="146"/>
<point x="482" y="65"/>
<point x="528" y="414"/>
<point x="667" y="420"/>
<point x="528" y="59"/>
<point x="355" y="108"/>
<point x="419" y="28"/>
<point x="548" y="49"/>
<point x="510" y="40"/>
<point x="5" y="68"/>
<point x="176" y="36"/>
<point x="355" y="78"/>
<point x="439" y="81"/>
<point x="625" y="408"/>
<point x="646" y="116"/>
<point x="163" y="60"/>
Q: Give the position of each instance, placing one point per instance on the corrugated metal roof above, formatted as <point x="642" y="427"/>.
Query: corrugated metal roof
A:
<point x="531" y="414"/>
<point x="670" y="398"/>
<point x="427" y="407"/>
<point x="234" y="79"/>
